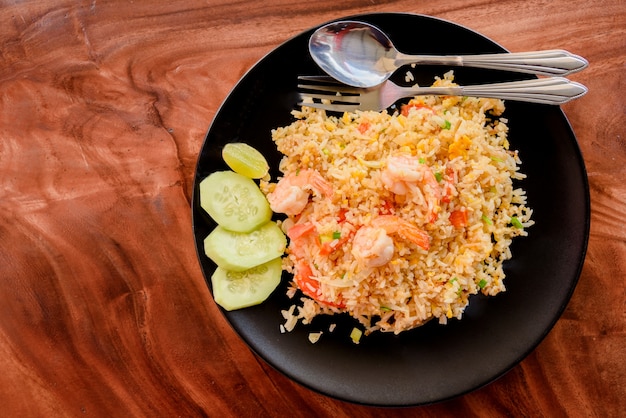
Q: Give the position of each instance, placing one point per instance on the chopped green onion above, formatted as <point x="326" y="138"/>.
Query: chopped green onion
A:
<point x="438" y="176"/>
<point x="516" y="222"/>
<point x="482" y="283"/>
<point x="336" y="234"/>
<point x="422" y="161"/>
<point x="446" y="124"/>
<point x="454" y="279"/>
<point x="385" y="309"/>
<point x="355" y="335"/>
<point x="325" y="151"/>
<point x="486" y="220"/>
<point x="496" y="159"/>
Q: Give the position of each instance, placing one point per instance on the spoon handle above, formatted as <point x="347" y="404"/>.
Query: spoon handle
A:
<point x="555" y="62"/>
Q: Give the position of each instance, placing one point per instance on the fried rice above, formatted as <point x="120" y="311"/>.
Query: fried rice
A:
<point x="405" y="214"/>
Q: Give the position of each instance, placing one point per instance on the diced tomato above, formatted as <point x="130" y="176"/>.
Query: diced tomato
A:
<point x="342" y="215"/>
<point x="458" y="218"/>
<point x="387" y="208"/>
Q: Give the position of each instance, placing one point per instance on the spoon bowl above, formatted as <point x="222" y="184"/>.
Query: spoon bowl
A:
<point x="355" y="53"/>
<point x="361" y="55"/>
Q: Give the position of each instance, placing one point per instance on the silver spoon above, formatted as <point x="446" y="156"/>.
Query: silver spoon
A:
<point x="361" y="55"/>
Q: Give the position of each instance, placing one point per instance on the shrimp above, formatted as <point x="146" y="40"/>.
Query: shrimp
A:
<point x="299" y="234"/>
<point x="403" y="173"/>
<point x="292" y="192"/>
<point x="373" y="247"/>
<point x="310" y="286"/>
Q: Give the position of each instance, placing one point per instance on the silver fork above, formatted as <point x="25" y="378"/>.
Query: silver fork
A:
<point x="328" y="94"/>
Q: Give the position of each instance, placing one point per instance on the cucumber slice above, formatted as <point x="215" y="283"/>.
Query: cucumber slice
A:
<point x="241" y="289"/>
<point x="245" y="160"/>
<point x="234" y="201"/>
<point x="238" y="251"/>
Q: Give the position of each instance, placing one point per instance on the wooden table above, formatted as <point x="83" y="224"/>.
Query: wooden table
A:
<point x="103" y="308"/>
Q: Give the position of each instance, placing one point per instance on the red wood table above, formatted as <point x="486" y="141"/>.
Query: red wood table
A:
<point x="103" y="307"/>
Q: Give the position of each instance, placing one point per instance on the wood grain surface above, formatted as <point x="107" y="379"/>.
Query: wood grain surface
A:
<point x="103" y="308"/>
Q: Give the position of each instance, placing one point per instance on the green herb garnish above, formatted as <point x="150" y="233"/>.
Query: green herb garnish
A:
<point x="486" y="220"/>
<point x="482" y="283"/>
<point x="438" y="176"/>
<point x="516" y="222"/>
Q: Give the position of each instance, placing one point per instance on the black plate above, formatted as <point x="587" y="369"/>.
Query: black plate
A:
<point x="434" y="362"/>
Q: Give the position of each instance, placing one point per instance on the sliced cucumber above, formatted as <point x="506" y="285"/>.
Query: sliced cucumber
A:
<point x="234" y="201"/>
<point x="245" y="160"/>
<point x="241" y="289"/>
<point x="238" y="251"/>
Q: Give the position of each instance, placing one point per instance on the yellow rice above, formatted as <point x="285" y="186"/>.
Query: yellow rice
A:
<point x="465" y="134"/>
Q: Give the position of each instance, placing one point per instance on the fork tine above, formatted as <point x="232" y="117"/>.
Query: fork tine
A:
<point x="318" y="78"/>
<point x="330" y="107"/>
<point x="334" y="88"/>
<point x="332" y="97"/>
<point x="336" y="96"/>
<point x="326" y="84"/>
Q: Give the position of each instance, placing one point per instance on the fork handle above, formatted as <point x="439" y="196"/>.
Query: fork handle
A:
<point x="556" y="62"/>
<point x="552" y="90"/>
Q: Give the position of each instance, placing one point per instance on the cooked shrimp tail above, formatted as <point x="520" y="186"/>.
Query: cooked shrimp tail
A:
<point x="373" y="247"/>
<point x="393" y="224"/>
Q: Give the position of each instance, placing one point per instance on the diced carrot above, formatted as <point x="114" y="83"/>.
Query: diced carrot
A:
<point x="458" y="218"/>
<point x="364" y="126"/>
